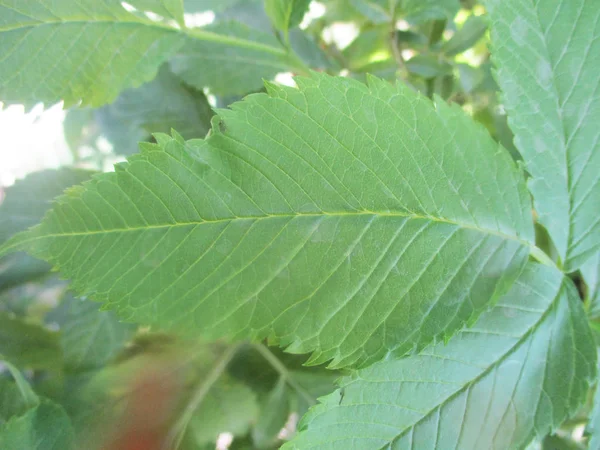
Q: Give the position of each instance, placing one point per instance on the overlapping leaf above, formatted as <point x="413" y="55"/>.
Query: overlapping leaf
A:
<point x="335" y="206"/>
<point x="90" y="50"/>
<point x="24" y="206"/>
<point x="590" y="271"/>
<point x="547" y="53"/>
<point x="217" y="64"/>
<point x="90" y="338"/>
<point x="522" y="369"/>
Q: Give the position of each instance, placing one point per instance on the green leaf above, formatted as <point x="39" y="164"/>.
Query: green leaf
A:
<point x="169" y="9"/>
<point x="25" y="204"/>
<point x="45" y="427"/>
<point x="592" y="428"/>
<point x="377" y="11"/>
<point x="139" y="112"/>
<point x="229" y="69"/>
<point x="28" y="397"/>
<point x="28" y="199"/>
<point x="11" y="401"/>
<point x="545" y="53"/>
<point x="229" y="406"/>
<point x="465" y="38"/>
<point x="590" y="271"/>
<point x="91" y="50"/>
<point x="428" y="66"/>
<point x="521" y="370"/>
<point x="273" y="415"/>
<point x="28" y="345"/>
<point x="419" y="11"/>
<point x="286" y="14"/>
<point x="89" y="337"/>
<point x="305" y="212"/>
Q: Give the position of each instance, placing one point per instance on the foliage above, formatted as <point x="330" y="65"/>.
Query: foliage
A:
<point x="379" y="216"/>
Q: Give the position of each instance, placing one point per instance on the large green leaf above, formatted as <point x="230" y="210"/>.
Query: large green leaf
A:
<point x="521" y="370"/>
<point x="45" y="427"/>
<point x="90" y="338"/>
<point x="546" y="54"/>
<point x="90" y="50"/>
<point x="335" y="206"/>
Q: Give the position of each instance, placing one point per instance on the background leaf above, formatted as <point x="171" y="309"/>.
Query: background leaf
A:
<point x="230" y="69"/>
<point x="87" y="50"/>
<point x="90" y="338"/>
<point x="228" y="407"/>
<point x="590" y="271"/>
<point x="546" y="53"/>
<point x="28" y="345"/>
<point x="519" y="372"/>
<point x="286" y="14"/>
<point x="24" y="206"/>
<point x="45" y="427"/>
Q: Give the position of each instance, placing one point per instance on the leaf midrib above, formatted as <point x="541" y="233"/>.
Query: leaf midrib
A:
<point x="12" y="245"/>
<point x="195" y="33"/>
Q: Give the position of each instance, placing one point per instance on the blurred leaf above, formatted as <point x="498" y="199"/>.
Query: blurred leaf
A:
<point x="555" y="442"/>
<point x="286" y="14"/>
<point x="472" y="30"/>
<point x="139" y="112"/>
<point x="90" y="338"/>
<point x="273" y="415"/>
<point x="428" y="66"/>
<point x="45" y="427"/>
<point x="377" y="11"/>
<point x="419" y="11"/>
<point x="25" y="204"/>
<point x="28" y="345"/>
<point x="590" y="270"/>
<point x="198" y="6"/>
<point x="411" y="39"/>
<point x="308" y="50"/>
<point x="229" y="406"/>
<point x="11" y="400"/>
<point x="29" y="398"/>
<point x="229" y="69"/>
<point x="469" y="77"/>
<point x="169" y="9"/>
<point x="369" y="46"/>
<point x="28" y="199"/>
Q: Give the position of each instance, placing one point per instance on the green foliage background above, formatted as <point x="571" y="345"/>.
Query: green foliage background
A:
<point x="415" y="222"/>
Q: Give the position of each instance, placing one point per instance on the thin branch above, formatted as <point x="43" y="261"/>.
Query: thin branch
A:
<point x="177" y="433"/>
<point x="284" y="372"/>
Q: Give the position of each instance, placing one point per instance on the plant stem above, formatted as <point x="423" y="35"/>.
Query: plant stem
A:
<point x="284" y="372"/>
<point x="177" y="433"/>
<point x="396" y="50"/>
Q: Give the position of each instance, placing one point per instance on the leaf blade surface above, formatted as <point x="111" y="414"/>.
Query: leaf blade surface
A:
<point x="519" y="372"/>
<point x="546" y="53"/>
